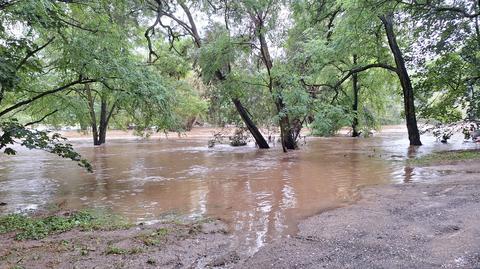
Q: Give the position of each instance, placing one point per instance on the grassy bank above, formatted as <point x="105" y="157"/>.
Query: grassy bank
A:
<point x="38" y="227"/>
<point x="86" y="239"/>
<point x="446" y="157"/>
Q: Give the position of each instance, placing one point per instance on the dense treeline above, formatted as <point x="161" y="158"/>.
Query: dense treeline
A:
<point x="165" y="64"/>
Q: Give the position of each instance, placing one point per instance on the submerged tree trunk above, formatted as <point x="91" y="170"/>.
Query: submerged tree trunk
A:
<point x="190" y="122"/>
<point x="105" y="116"/>
<point x="99" y="131"/>
<point x="408" y="97"/>
<point x="93" y="117"/>
<point x="103" y="122"/>
<point x="287" y="133"/>
<point x="257" y="135"/>
<point x="356" y="89"/>
<point x="259" y="139"/>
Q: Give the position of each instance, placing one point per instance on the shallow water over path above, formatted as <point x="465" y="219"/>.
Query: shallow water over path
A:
<point x="262" y="194"/>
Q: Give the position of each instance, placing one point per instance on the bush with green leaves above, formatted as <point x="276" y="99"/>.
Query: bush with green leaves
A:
<point x="329" y="119"/>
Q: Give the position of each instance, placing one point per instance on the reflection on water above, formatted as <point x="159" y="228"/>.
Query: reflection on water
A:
<point x="261" y="193"/>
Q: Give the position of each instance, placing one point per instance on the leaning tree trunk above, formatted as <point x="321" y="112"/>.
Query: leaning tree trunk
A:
<point x="356" y="89"/>
<point x="257" y="135"/>
<point x="261" y="142"/>
<point x="408" y="97"/>
<point x="190" y="122"/>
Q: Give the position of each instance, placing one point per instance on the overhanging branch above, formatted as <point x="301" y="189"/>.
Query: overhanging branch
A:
<point x="33" y="52"/>
<point x="359" y="69"/>
<point x="42" y="119"/>
<point x="59" y="89"/>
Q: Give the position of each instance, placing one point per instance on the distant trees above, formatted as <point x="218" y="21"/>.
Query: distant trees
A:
<point x="163" y="64"/>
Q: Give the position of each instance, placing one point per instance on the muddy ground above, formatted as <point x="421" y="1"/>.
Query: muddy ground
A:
<point x="173" y="245"/>
<point x="415" y="225"/>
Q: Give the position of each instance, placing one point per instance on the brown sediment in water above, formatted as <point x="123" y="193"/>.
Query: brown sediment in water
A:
<point x="416" y="225"/>
<point x="260" y="194"/>
<point x="427" y="224"/>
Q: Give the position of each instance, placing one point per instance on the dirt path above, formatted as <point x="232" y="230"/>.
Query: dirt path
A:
<point x="414" y="225"/>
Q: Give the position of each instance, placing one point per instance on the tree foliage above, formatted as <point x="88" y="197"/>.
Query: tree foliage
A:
<point x="162" y="65"/>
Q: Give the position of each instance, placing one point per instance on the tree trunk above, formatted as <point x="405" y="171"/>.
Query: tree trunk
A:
<point x="408" y="97"/>
<point x="261" y="142"/>
<point x="356" y="89"/>
<point x="99" y="132"/>
<point x="103" y="122"/>
<point x="105" y="119"/>
<point x="259" y="139"/>
<point x="287" y="133"/>
<point x="190" y="122"/>
<point x="191" y="28"/>
<point x="93" y="117"/>
<point x="472" y="105"/>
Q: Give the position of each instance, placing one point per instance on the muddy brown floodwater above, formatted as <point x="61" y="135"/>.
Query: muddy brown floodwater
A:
<point x="261" y="194"/>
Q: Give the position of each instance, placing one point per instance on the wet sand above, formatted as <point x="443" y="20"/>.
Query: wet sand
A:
<point x="423" y="224"/>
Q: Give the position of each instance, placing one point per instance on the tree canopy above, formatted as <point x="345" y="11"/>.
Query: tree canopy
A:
<point x="162" y="65"/>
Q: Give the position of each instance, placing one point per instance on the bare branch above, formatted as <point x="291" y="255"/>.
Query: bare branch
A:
<point x="148" y="33"/>
<point x="364" y="68"/>
<point x="33" y="52"/>
<point x="42" y="119"/>
<point x="193" y="26"/>
<point x="428" y="6"/>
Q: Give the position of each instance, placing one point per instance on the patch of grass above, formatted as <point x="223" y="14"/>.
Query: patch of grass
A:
<point x="113" y="250"/>
<point x="162" y="232"/>
<point x="154" y="238"/>
<point x="135" y="250"/>
<point x="446" y="156"/>
<point x="40" y="227"/>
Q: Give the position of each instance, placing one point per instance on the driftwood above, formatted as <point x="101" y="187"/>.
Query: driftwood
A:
<point x="239" y="138"/>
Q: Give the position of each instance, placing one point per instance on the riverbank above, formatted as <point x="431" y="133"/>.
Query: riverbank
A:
<point x="423" y="224"/>
<point x="415" y="225"/>
<point x="198" y="244"/>
<point x="203" y="133"/>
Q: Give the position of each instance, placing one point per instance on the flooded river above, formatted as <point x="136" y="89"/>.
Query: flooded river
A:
<point x="261" y="194"/>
